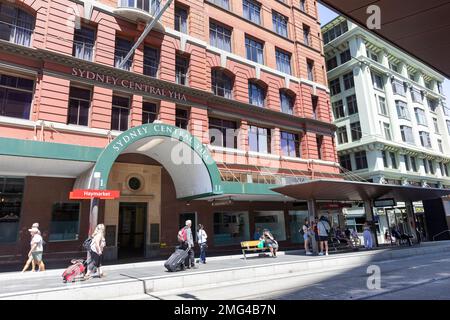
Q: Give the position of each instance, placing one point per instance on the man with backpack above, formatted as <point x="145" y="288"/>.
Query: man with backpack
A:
<point x="186" y="240"/>
<point x="324" y="230"/>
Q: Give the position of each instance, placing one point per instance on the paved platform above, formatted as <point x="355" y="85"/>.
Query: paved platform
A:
<point x="146" y="277"/>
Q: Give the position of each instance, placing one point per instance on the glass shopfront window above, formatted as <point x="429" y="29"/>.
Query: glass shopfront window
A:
<point x="230" y="228"/>
<point x="272" y="220"/>
<point x="11" y="192"/>
<point x="297" y="220"/>
<point x="65" y="222"/>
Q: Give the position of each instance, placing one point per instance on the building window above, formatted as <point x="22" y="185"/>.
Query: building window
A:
<point x="230" y="228"/>
<point x="393" y="66"/>
<point x="425" y="139"/>
<point x="372" y="55"/>
<point x="181" y="16"/>
<point x="181" y="69"/>
<point x="439" y="86"/>
<point x="287" y="103"/>
<point x="65" y="222"/>
<point x="319" y="141"/>
<point x="441" y="167"/>
<point x="222" y="84"/>
<point x="402" y="110"/>
<point x="151" y="6"/>
<point x="254" y="50"/>
<point x="16" y="25"/>
<point x="349" y="81"/>
<point x="280" y="23"/>
<point x="252" y="11"/>
<point x="446" y="170"/>
<point x="259" y="139"/>
<point x="346" y="56"/>
<point x="223" y="133"/>
<point x="11" y="193"/>
<point x="393" y="160"/>
<point x="315" y="105"/>
<point x="222" y="3"/>
<point x="387" y="131"/>
<point x="352" y="104"/>
<point x="341" y="133"/>
<point x="420" y="116"/>
<point x="79" y="103"/>
<point x="149" y="112"/>
<point x="416" y="96"/>
<point x="407" y="134"/>
<point x="220" y="36"/>
<point x="335" y="87"/>
<point x="335" y="32"/>
<point x="425" y="165"/>
<point x="406" y="159"/>
<point x="151" y="61"/>
<point x="377" y="80"/>
<point x="120" y="113"/>
<point x="283" y="61"/>
<point x="385" y="162"/>
<point x="448" y="125"/>
<point x="431" y="166"/>
<point x="310" y="69"/>
<point x="121" y="50"/>
<point x="303" y="5"/>
<point x="398" y="88"/>
<point x="256" y="94"/>
<point x="361" y="160"/>
<point x="355" y="129"/>
<point x="307" y="35"/>
<point x="413" y="164"/>
<point x="345" y="162"/>
<point x="338" y="109"/>
<point x="83" y="43"/>
<point x="181" y="118"/>
<point x="332" y="63"/>
<point x="382" y="106"/>
<point x="290" y="144"/>
<point x="436" y="125"/>
<point x="441" y="149"/>
<point x="16" y="95"/>
<point x="432" y="104"/>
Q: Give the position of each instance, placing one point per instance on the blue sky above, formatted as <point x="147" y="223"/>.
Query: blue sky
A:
<point x="326" y="15"/>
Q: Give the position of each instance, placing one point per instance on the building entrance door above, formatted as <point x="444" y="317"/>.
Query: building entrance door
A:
<point x="132" y="226"/>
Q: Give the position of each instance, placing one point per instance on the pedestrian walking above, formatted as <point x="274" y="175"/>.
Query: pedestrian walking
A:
<point x="202" y="237"/>
<point x="98" y="243"/>
<point x="323" y="228"/>
<point x="367" y="235"/>
<point x="306" y="236"/>
<point x="36" y="251"/>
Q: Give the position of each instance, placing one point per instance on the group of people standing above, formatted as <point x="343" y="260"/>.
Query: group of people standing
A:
<point x="314" y="233"/>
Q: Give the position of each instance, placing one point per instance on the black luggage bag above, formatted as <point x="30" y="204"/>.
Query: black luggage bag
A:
<point x="177" y="260"/>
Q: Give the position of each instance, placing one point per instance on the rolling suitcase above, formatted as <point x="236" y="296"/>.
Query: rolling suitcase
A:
<point x="77" y="269"/>
<point x="177" y="260"/>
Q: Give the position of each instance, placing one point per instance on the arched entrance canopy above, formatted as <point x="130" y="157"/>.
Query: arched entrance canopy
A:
<point x="189" y="163"/>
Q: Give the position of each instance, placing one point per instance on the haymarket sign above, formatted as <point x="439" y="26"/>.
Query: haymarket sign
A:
<point x="128" y="84"/>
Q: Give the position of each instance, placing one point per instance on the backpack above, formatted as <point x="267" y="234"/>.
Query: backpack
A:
<point x="182" y="235"/>
<point x="87" y="244"/>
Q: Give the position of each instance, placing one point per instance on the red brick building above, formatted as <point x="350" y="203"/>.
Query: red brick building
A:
<point x="241" y="84"/>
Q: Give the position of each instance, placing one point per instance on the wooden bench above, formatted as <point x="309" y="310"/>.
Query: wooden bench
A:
<point x="252" y="246"/>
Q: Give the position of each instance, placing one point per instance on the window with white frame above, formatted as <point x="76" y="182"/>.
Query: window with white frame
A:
<point x="338" y="109"/>
<point x="222" y="3"/>
<point x="287" y="102"/>
<point x="402" y="110"/>
<point x="349" y="81"/>
<point x="352" y="104"/>
<point x="220" y="36"/>
<point x="122" y="48"/>
<point x="221" y="84"/>
<point x="256" y="94"/>
<point x="341" y="133"/>
<point x="355" y="129"/>
<point x="433" y="104"/>
<point x="335" y="87"/>
<point x="398" y="87"/>
<point x="425" y="140"/>
<point x="361" y="160"/>
<point x="436" y="125"/>
<point x="181" y="15"/>
<point x="83" y="43"/>
<point x="252" y="11"/>
<point x="16" y="96"/>
<point x="331" y="63"/>
<point x="382" y="106"/>
<point x="346" y="162"/>
<point x="120" y="113"/>
<point x="335" y="32"/>
<point x="151" y="61"/>
<point x="283" y="60"/>
<point x="259" y="139"/>
<point x="280" y="24"/>
<point x="420" y="116"/>
<point x="254" y="50"/>
<point x="290" y="144"/>
<point x="16" y="25"/>
<point x="79" y="104"/>
<point x="416" y="96"/>
<point x="377" y="81"/>
<point x="441" y="148"/>
<point x="407" y="134"/>
<point x="387" y="131"/>
<point x="393" y="160"/>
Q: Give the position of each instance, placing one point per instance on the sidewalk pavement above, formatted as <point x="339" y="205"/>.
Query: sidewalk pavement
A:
<point x="146" y="277"/>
